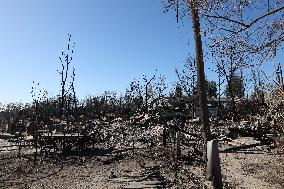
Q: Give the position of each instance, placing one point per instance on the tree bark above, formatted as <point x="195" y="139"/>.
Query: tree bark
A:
<point x="200" y="74"/>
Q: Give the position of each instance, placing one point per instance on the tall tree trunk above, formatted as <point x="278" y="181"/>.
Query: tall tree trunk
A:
<point x="200" y="74"/>
<point x="75" y="103"/>
<point x="233" y="107"/>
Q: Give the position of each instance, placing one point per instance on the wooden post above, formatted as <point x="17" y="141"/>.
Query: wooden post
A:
<point x="213" y="169"/>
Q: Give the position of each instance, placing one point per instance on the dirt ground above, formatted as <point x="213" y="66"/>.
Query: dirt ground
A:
<point x="155" y="167"/>
<point x="254" y="167"/>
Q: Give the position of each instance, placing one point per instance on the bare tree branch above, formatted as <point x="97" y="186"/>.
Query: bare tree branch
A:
<point x="265" y="15"/>
<point x="245" y="26"/>
<point x="226" y="18"/>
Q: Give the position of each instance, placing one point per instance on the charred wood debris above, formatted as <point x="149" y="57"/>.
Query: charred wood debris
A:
<point x="158" y="127"/>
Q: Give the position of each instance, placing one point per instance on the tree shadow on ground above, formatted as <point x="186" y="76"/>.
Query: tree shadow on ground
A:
<point x="23" y="183"/>
<point x="89" y="152"/>
<point x="244" y="149"/>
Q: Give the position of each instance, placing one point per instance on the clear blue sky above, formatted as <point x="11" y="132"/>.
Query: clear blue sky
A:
<point x="115" y="42"/>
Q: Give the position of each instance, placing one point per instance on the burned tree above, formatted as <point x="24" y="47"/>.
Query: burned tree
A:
<point x="186" y="76"/>
<point x="259" y="34"/>
<point x="159" y="88"/>
<point x="134" y="98"/>
<point x="148" y="90"/>
<point x="38" y="96"/>
<point x="68" y="95"/>
<point x="187" y="80"/>
<point x="194" y="8"/>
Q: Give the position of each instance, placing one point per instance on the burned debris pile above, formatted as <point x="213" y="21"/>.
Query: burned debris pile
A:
<point x="158" y="126"/>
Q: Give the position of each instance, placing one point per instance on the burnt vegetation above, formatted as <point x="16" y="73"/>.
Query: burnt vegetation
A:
<point x="172" y="122"/>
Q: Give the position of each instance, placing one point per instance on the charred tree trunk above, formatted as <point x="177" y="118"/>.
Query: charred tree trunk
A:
<point x="36" y="134"/>
<point x="62" y="95"/>
<point x="75" y="105"/>
<point x="193" y="97"/>
<point x="232" y="91"/>
<point x="233" y="108"/>
<point x="219" y="95"/>
<point x="200" y="75"/>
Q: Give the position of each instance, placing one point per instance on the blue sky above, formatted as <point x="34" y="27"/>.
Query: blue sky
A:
<point x="115" y="42"/>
